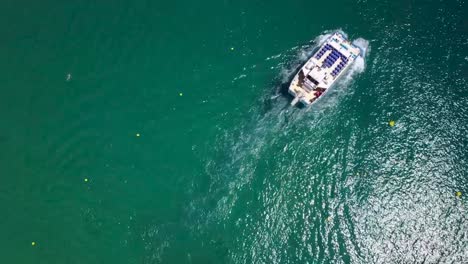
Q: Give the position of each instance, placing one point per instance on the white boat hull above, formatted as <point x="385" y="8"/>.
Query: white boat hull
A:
<point x="323" y="69"/>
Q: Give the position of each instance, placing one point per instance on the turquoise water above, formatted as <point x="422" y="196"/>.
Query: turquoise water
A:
<point x="223" y="169"/>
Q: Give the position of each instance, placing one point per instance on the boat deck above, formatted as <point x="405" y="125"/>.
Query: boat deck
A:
<point x="323" y="69"/>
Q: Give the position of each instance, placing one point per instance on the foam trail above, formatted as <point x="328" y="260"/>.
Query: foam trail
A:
<point x="363" y="44"/>
<point x="242" y="149"/>
<point x="358" y="66"/>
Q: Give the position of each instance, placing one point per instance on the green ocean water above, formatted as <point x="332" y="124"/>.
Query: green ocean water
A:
<point x="223" y="169"/>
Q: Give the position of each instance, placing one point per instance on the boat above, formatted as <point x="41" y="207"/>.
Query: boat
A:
<point x="323" y="69"/>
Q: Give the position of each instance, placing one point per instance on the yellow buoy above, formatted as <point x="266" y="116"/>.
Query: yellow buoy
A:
<point x="33" y="243"/>
<point x="458" y="194"/>
<point x="391" y="123"/>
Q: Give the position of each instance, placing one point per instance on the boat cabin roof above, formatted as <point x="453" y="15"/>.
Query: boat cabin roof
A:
<point x="332" y="58"/>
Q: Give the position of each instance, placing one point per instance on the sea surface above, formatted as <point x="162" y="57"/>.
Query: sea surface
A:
<point x="157" y="132"/>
